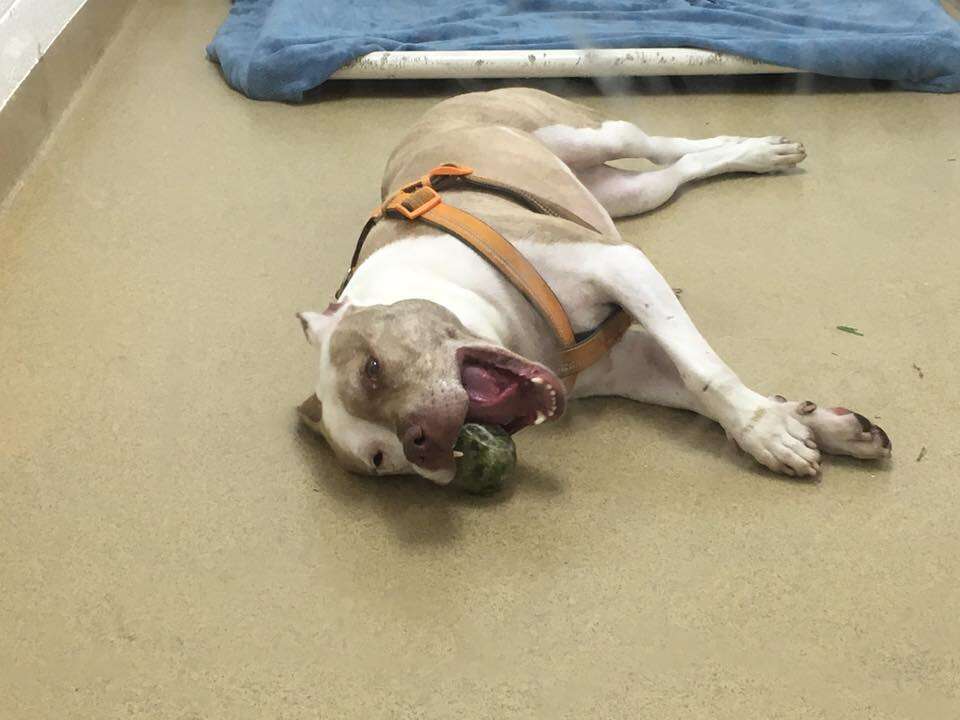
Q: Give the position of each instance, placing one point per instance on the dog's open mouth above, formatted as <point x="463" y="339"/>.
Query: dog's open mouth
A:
<point x="508" y="390"/>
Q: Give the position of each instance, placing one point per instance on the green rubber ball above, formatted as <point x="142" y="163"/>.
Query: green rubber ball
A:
<point x="489" y="457"/>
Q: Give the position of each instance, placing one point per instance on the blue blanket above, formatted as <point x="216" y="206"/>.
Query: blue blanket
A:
<point x="279" y="49"/>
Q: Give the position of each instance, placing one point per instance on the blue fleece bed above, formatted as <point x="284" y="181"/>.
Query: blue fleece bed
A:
<point x="279" y="49"/>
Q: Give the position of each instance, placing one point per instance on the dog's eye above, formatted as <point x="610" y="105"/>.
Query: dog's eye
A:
<point x="377" y="459"/>
<point x="372" y="368"/>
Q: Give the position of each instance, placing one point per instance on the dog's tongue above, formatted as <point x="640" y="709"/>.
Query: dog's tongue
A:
<point x="494" y="394"/>
<point x="507" y="390"/>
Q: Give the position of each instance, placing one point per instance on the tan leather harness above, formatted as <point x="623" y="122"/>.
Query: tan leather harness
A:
<point x="419" y="201"/>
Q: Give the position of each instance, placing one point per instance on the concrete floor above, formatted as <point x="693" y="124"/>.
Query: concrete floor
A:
<point x="174" y="546"/>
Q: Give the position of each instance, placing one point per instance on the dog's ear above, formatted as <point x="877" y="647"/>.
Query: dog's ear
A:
<point x="316" y="326"/>
<point x="311" y="412"/>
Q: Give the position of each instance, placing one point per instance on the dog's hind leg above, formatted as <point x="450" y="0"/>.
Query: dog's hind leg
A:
<point x="623" y="192"/>
<point x="583" y="147"/>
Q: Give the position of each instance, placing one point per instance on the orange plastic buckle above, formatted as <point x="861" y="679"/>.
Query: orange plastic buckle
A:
<point x="413" y="213"/>
<point x="395" y="201"/>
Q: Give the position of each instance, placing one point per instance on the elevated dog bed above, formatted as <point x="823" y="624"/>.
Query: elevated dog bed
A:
<point x="279" y="49"/>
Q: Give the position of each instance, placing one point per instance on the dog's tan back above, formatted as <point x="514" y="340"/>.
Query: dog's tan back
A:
<point x="491" y="133"/>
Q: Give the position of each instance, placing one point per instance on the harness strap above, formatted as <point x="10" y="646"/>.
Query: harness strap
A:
<point x="508" y="260"/>
<point x="420" y="201"/>
<point x="533" y="202"/>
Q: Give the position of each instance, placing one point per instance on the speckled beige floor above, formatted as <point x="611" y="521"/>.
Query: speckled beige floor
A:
<point x="173" y="546"/>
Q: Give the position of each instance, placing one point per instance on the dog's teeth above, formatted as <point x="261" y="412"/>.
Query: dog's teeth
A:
<point x="540" y="418"/>
<point x="537" y="381"/>
<point x="457" y="454"/>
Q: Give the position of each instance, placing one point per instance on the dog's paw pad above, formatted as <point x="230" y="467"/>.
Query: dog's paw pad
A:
<point x="840" y="431"/>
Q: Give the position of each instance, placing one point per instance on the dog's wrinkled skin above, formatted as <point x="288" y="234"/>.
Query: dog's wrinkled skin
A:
<point x="428" y="335"/>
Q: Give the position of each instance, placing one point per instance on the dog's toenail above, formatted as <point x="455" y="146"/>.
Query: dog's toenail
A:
<point x="864" y="423"/>
<point x="884" y="438"/>
<point x="779" y="398"/>
<point x="806" y="407"/>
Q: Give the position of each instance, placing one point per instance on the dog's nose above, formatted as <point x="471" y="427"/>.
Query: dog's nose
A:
<point x="429" y="443"/>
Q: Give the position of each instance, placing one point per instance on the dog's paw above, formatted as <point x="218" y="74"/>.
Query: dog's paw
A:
<point x="769" y="154"/>
<point x="773" y="434"/>
<point x="839" y="431"/>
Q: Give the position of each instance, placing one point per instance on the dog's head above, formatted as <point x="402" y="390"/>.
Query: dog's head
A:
<point x="397" y="382"/>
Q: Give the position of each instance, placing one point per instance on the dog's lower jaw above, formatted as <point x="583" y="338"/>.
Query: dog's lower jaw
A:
<point x="440" y="477"/>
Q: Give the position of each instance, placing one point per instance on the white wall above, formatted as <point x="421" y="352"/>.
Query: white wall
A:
<point x="27" y="28"/>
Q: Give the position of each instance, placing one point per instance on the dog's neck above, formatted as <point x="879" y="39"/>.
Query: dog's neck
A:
<point x="439" y="270"/>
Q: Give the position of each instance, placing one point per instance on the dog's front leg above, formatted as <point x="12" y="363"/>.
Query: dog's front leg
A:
<point x="761" y="426"/>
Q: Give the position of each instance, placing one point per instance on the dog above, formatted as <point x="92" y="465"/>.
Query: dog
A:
<point x="428" y="335"/>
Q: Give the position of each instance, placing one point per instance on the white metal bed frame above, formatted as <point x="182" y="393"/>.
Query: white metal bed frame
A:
<point x="551" y="63"/>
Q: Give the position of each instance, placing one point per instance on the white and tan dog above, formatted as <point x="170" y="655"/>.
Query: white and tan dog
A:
<point x="428" y="335"/>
